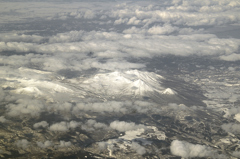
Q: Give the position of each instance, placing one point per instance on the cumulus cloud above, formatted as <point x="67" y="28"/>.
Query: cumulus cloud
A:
<point x="232" y="111"/>
<point x="133" y="21"/>
<point x="89" y="14"/>
<point x="45" y="144"/>
<point x="115" y="107"/>
<point x="14" y="37"/>
<point x="123" y="126"/>
<point x="64" y="126"/>
<point x="177" y="107"/>
<point x="231" y="57"/>
<point x="109" y="106"/>
<point x="3" y="119"/>
<point x="188" y="150"/>
<point x="66" y="37"/>
<point x="42" y="124"/>
<point x="22" y="144"/>
<point x="65" y="143"/>
<point x="91" y="125"/>
<point x="231" y="127"/>
<point x="25" y="107"/>
<point x="165" y="29"/>
<point x="138" y="148"/>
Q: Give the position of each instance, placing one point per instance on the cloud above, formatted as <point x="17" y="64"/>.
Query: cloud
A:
<point x="65" y="143"/>
<point x="183" y="13"/>
<point x="89" y="14"/>
<point x="126" y="47"/>
<point x="231" y="127"/>
<point x="64" y="126"/>
<point x="177" y="107"/>
<point x="3" y="119"/>
<point x="134" y="21"/>
<point x="91" y="125"/>
<point x="45" y="144"/>
<point x="231" y="57"/>
<point x="14" y="37"/>
<point x="109" y="106"/>
<point x="165" y="29"/>
<point x="71" y="36"/>
<point x="42" y="124"/>
<point x="63" y="107"/>
<point x="188" y="150"/>
<point x="115" y="107"/>
<point x="232" y="111"/>
<point x="123" y="126"/>
<point x="22" y="144"/>
<point x="120" y="21"/>
<point x="25" y="107"/>
<point x="138" y="148"/>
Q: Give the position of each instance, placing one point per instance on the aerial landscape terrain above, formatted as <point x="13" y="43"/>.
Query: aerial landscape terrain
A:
<point x="124" y="79"/>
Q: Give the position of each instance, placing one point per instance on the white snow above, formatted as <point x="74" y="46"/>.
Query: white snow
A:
<point x="169" y="91"/>
<point x="131" y="82"/>
<point x="28" y="90"/>
<point x="237" y="117"/>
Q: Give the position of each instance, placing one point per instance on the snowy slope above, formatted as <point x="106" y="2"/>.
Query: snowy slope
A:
<point x="132" y="83"/>
<point x="128" y="83"/>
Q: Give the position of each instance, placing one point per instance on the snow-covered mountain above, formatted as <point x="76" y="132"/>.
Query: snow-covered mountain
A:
<point x="132" y="83"/>
<point x="128" y="83"/>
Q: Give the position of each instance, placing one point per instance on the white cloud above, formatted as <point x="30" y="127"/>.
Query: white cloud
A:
<point x="3" y="119"/>
<point x="66" y="37"/>
<point x="25" y="107"/>
<point x="14" y="37"/>
<point x="65" y="143"/>
<point x="177" y="107"/>
<point x="91" y="125"/>
<point x="45" y="144"/>
<point x="138" y="148"/>
<point x="42" y="124"/>
<point x="232" y="111"/>
<point x="123" y="126"/>
<point x="120" y="21"/>
<point x="22" y="144"/>
<point x="133" y="21"/>
<point x="64" y="126"/>
<point x="109" y="106"/>
<point x="231" y="57"/>
<point x="89" y="14"/>
<point x="231" y="127"/>
<point x="204" y="44"/>
<point x="188" y="150"/>
<point x="165" y="29"/>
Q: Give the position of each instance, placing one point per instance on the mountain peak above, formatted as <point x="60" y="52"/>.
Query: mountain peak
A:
<point x="128" y="83"/>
